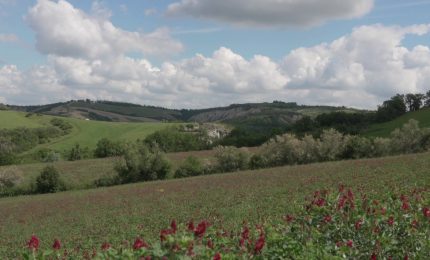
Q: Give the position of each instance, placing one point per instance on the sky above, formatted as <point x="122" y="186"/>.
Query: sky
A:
<point x="206" y="53"/>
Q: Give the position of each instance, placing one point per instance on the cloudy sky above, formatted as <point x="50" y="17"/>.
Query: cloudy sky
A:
<point x="204" y="53"/>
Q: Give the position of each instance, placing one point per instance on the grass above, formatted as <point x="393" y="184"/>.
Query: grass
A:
<point x="385" y="129"/>
<point x="85" y="218"/>
<point x="86" y="133"/>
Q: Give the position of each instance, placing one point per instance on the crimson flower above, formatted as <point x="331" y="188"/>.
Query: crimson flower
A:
<point x="391" y="221"/>
<point x="139" y="243"/>
<point x="245" y="233"/>
<point x="327" y="219"/>
<point x="259" y="244"/>
<point x="358" y="224"/>
<point x="201" y="229"/>
<point x="164" y="233"/>
<point x="217" y="256"/>
<point x="106" y="246"/>
<point x="174" y="226"/>
<point x="426" y="212"/>
<point x="373" y="257"/>
<point x="190" y="226"/>
<point x="33" y="243"/>
<point x="210" y="244"/>
<point x="405" y="205"/>
<point x="414" y="224"/>
<point x="289" y="218"/>
<point x="56" y="245"/>
<point x="339" y="244"/>
<point x="349" y="243"/>
<point x="319" y="202"/>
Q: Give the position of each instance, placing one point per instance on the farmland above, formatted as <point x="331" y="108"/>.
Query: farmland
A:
<point x="84" y="132"/>
<point x="114" y="214"/>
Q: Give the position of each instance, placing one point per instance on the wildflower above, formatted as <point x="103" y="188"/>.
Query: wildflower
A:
<point x="327" y="219"/>
<point x="201" y="229"/>
<point x="358" y="224"/>
<point x="391" y="221"/>
<point x="173" y="226"/>
<point x="383" y="211"/>
<point x="56" y="245"/>
<point x="349" y="243"/>
<point x="414" y="224"/>
<point x="373" y="257"/>
<point x="190" y="226"/>
<point x="106" y="246"/>
<point x="341" y="188"/>
<point x="210" y="244"/>
<point x="289" y="218"/>
<point x="339" y="244"/>
<point x="164" y="233"/>
<point x="33" y="243"/>
<point x="139" y="243"/>
<point x="259" y="244"/>
<point x="245" y="233"/>
<point x="217" y="256"/>
<point x="190" y="249"/>
<point x="341" y="202"/>
<point x="405" y="205"/>
<point x="320" y="202"/>
<point x="426" y="212"/>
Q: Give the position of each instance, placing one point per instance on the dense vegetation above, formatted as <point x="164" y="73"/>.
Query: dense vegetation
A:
<point x="330" y="225"/>
<point x="88" y="219"/>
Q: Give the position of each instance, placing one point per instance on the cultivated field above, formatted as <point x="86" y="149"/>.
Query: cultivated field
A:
<point x="86" y="133"/>
<point x="85" y="219"/>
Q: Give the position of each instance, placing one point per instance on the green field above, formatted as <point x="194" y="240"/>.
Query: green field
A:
<point x="86" y="133"/>
<point x="385" y="129"/>
<point x="83" y="219"/>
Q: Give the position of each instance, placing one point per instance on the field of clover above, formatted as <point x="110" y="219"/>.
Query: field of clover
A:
<point x="331" y="224"/>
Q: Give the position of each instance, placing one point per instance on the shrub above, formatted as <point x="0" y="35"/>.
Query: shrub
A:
<point x="65" y="126"/>
<point x="192" y="166"/>
<point x="47" y="155"/>
<point x="9" y="178"/>
<point x="258" y="161"/>
<point x="357" y="147"/>
<point x="332" y="145"/>
<point x="407" y="139"/>
<point x="7" y="152"/>
<point x="107" y="148"/>
<point x="142" y="164"/>
<point x="49" y="181"/>
<point x="230" y="159"/>
<point x="174" y="140"/>
<point x="78" y="153"/>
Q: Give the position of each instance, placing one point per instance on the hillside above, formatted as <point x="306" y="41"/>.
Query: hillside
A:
<point x="85" y="132"/>
<point x="82" y="219"/>
<point x="385" y="129"/>
<point x="273" y="113"/>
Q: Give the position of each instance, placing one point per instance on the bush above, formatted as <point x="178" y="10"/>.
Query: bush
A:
<point x="65" y="126"/>
<point x="231" y="159"/>
<point x="142" y="164"/>
<point x="78" y="153"/>
<point x="7" y="152"/>
<point x="107" y="148"/>
<point x="9" y="178"/>
<point x="407" y="139"/>
<point x="47" y="155"/>
<point x="332" y="145"/>
<point x="174" y="140"/>
<point x="192" y="166"/>
<point x="49" y="181"/>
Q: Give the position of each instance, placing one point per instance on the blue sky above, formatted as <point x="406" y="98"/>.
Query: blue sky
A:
<point x="199" y="31"/>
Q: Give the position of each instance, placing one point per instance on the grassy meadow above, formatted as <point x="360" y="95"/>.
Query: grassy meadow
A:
<point x="385" y="129"/>
<point x="86" y="133"/>
<point x="82" y="219"/>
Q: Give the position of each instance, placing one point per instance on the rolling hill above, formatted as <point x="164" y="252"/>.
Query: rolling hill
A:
<point x="385" y="129"/>
<point x="85" y="132"/>
<point x="276" y="112"/>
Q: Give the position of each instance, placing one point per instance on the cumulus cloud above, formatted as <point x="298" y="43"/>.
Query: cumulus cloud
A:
<point x="271" y="13"/>
<point x="360" y="69"/>
<point x="64" y="30"/>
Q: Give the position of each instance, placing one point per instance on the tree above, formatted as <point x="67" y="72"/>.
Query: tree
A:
<point x="107" y="148"/>
<point x="49" y="181"/>
<point x="427" y="99"/>
<point x="78" y="153"/>
<point x="192" y="166"/>
<point x="391" y="109"/>
<point x="414" y="101"/>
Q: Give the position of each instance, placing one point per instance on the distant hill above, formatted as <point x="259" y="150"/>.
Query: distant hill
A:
<point x="268" y="113"/>
<point x="385" y="129"/>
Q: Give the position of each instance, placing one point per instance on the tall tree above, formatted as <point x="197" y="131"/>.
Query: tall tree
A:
<point x="414" y="101"/>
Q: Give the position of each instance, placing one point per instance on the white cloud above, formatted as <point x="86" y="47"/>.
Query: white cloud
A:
<point x="360" y="69"/>
<point x="63" y="30"/>
<point x="269" y="13"/>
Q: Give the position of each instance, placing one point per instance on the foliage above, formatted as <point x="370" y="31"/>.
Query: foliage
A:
<point x="142" y="163"/>
<point x="174" y="140"/>
<point x="64" y="125"/>
<point x="9" y="178"/>
<point x="231" y="159"/>
<point x="49" y="181"/>
<point x="192" y="166"/>
<point x="78" y="153"/>
<point x="409" y="139"/>
<point x="107" y="148"/>
<point x="47" y="155"/>
<point x="330" y="225"/>
<point x="391" y="109"/>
